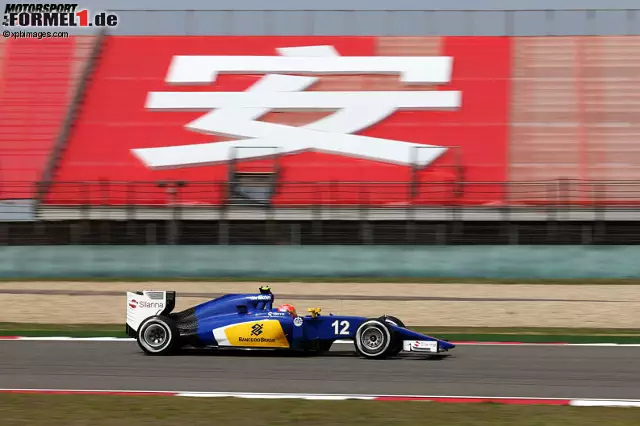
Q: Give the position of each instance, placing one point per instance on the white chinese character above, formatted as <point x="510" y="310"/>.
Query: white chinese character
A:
<point x="236" y="114"/>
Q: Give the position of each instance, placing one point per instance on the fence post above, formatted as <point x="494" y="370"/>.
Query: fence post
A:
<point x="172" y="223"/>
<point x="600" y="225"/>
<point x="365" y="226"/>
<point x="223" y="224"/>
<point x="410" y="230"/>
<point x="552" y="211"/>
<point x="129" y="217"/>
<point x="130" y="205"/>
<point x="151" y="234"/>
<point x="295" y="237"/>
<point x="86" y="227"/>
<point x="105" y="228"/>
<point x="512" y="228"/>
<point x="316" y="224"/>
<point x="4" y="226"/>
<point x="271" y="231"/>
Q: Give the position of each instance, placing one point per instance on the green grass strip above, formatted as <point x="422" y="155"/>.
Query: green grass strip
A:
<point x="82" y="410"/>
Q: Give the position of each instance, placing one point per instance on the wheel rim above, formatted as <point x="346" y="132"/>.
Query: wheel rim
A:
<point x="372" y="339"/>
<point x="155" y="335"/>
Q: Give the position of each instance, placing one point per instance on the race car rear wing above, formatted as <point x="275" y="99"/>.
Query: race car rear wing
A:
<point x="144" y="304"/>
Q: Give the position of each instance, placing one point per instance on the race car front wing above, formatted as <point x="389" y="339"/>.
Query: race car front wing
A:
<point x="421" y="346"/>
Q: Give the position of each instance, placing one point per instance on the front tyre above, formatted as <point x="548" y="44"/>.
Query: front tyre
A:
<point x="395" y="321"/>
<point x="373" y="339"/>
<point x="158" y="336"/>
<point x="396" y="346"/>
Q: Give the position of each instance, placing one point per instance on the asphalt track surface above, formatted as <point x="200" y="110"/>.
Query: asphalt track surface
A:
<point x="518" y="371"/>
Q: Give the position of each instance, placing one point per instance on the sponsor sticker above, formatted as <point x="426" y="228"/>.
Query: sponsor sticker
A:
<point x="420" y="346"/>
<point x="142" y="304"/>
<point x="298" y="321"/>
<point x="266" y="333"/>
<point x="145" y="304"/>
<point x="259" y="297"/>
<point x="256" y="330"/>
<point x="256" y="340"/>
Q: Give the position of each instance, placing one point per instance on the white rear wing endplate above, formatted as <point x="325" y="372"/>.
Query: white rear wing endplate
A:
<point x="144" y="304"/>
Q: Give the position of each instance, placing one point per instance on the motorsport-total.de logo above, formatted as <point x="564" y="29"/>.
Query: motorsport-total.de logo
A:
<point x="54" y="15"/>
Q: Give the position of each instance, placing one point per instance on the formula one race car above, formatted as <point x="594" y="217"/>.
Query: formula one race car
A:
<point x="249" y="321"/>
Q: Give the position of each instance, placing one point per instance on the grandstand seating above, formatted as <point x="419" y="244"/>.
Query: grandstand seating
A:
<point x="612" y="112"/>
<point x="109" y="127"/>
<point x="37" y="79"/>
<point x="546" y="134"/>
<point x="559" y="108"/>
<point x="575" y="113"/>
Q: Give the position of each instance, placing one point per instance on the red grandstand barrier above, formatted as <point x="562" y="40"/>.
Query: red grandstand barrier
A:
<point x="535" y="112"/>
<point x="37" y="79"/>
<point x="114" y="121"/>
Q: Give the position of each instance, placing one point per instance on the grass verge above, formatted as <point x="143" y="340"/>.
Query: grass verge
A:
<point x="368" y="280"/>
<point x="481" y="334"/>
<point x="82" y="410"/>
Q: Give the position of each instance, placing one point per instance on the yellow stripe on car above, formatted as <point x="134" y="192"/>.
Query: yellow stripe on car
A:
<point x="266" y="334"/>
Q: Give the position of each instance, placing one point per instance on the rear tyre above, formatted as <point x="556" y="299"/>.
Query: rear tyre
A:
<point x="158" y="336"/>
<point x="374" y="339"/>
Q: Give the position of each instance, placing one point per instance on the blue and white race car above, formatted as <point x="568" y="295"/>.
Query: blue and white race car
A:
<point x="250" y="321"/>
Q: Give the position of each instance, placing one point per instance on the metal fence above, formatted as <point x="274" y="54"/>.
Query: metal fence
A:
<point x="553" y="212"/>
<point x="418" y="192"/>
<point x="316" y="232"/>
<point x="333" y="194"/>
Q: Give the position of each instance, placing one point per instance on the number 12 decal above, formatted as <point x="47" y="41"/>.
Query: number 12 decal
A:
<point x="336" y="327"/>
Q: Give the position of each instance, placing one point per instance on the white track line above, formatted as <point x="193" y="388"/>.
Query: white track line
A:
<point x="577" y="402"/>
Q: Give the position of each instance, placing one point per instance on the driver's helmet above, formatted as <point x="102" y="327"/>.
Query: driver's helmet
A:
<point x="288" y="308"/>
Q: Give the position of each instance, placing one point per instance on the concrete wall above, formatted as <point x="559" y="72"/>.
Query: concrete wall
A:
<point x="374" y="17"/>
<point x="321" y="261"/>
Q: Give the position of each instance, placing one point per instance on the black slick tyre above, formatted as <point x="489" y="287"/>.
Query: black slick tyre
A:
<point x="158" y="335"/>
<point x="373" y="339"/>
<point x="394" y="321"/>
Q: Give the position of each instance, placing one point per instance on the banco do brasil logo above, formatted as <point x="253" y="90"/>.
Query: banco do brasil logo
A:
<point x="256" y="330"/>
<point x="54" y="15"/>
<point x="256" y="336"/>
